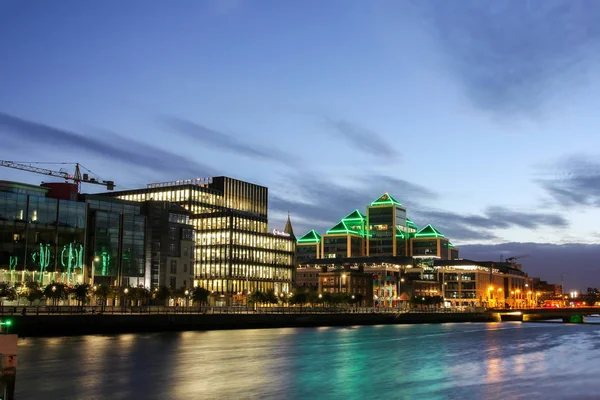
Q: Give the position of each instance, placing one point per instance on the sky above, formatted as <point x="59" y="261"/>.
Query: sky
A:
<point x="479" y="117"/>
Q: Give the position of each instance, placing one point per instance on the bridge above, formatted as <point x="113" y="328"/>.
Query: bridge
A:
<point x="568" y="314"/>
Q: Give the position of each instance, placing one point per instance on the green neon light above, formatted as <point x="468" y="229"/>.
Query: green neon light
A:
<point x="310" y="237"/>
<point x="42" y="258"/>
<point x="71" y="257"/>
<point x="7" y="322"/>
<point x="400" y="234"/>
<point x="355" y="216"/>
<point x="13" y="261"/>
<point x="105" y="259"/>
<point x="342" y="228"/>
<point x="411" y="224"/>
<point x="385" y="200"/>
<point x="451" y="245"/>
<point x="429" y="231"/>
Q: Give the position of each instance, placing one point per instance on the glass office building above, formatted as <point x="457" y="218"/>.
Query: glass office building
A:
<point x="234" y="251"/>
<point x="41" y="238"/>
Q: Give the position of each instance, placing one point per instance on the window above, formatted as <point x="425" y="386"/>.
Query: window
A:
<point x="173" y="282"/>
<point x="185" y="251"/>
<point x="184" y="267"/>
<point x="173" y="266"/>
<point x="172" y="233"/>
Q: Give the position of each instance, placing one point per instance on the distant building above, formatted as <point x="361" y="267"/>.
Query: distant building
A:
<point x="235" y="253"/>
<point x="349" y="281"/>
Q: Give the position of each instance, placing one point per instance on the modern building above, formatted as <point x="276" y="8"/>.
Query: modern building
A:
<point x="384" y="231"/>
<point x="41" y="238"/>
<point x="383" y="242"/>
<point x="116" y="238"/>
<point x="170" y="245"/>
<point x="235" y="253"/>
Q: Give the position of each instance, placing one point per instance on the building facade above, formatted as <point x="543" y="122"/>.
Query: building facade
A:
<point x="235" y="254"/>
<point x="116" y="238"/>
<point x="170" y="245"/>
<point x="349" y="281"/>
<point x="41" y="239"/>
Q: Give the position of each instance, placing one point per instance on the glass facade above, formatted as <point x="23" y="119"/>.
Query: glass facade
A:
<point x="234" y="254"/>
<point x="335" y="246"/>
<point x="381" y="230"/>
<point x="40" y="238"/>
<point x="116" y="234"/>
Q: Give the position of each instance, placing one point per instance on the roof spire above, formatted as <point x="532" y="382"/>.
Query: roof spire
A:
<point x="288" y="227"/>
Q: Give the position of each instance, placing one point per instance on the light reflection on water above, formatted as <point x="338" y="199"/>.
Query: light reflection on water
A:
<point x="455" y="361"/>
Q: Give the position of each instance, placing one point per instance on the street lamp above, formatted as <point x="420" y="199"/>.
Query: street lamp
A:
<point x="94" y="260"/>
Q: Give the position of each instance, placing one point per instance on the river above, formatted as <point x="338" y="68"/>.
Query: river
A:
<point x="445" y="361"/>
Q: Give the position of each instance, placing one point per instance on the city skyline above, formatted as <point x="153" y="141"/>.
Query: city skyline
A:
<point x="479" y="120"/>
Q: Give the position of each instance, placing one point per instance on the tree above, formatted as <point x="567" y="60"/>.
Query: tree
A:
<point x="313" y="298"/>
<point x="105" y="292"/>
<point x="299" y="298"/>
<point x="7" y="291"/>
<point x="140" y="295"/>
<point x="357" y="298"/>
<point x="200" y="295"/>
<point x="271" y="297"/>
<point x="56" y="292"/>
<point x="258" y="297"/>
<point x="32" y="292"/>
<point x="81" y="293"/>
<point x="162" y="294"/>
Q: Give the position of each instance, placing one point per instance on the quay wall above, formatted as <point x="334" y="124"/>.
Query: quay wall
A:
<point x="85" y="324"/>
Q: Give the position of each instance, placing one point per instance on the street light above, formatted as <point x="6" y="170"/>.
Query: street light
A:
<point x="94" y="260"/>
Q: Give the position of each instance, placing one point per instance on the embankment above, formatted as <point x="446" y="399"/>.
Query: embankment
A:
<point x="64" y="325"/>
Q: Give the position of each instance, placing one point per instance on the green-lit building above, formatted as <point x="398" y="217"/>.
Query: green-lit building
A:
<point x="384" y="231"/>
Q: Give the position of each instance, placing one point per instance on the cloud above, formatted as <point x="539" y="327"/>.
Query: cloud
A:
<point x="548" y="261"/>
<point x="480" y="227"/>
<point x="363" y="139"/>
<point x="219" y="140"/>
<point x="320" y="203"/>
<point x="508" y="54"/>
<point x="577" y="182"/>
<point x="112" y="148"/>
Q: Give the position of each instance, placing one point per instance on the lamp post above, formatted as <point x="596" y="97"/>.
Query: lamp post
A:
<point x="94" y="260"/>
<point x="186" y="293"/>
<point x="125" y="291"/>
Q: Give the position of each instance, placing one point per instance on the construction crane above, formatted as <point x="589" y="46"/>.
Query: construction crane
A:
<point x="78" y="178"/>
<point x="515" y="258"/>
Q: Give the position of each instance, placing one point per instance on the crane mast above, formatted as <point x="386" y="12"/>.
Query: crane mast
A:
<point x="78" y="178"/>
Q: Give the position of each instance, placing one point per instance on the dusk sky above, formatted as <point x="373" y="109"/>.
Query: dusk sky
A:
<point x="480" y="117"/>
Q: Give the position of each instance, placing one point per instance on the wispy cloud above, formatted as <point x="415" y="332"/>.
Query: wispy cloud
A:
<point x="510" y="54"/>
<point x="576" y="181"/>
<point x="113" y="147"/>
<point x="363" y="139"/>
<point x="481" y="227"/>
<point x="551" y="262"/>
<point x="225" y="142"/>
<point x="320" y="203"/>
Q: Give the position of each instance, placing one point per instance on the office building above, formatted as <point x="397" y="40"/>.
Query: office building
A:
<point x="235" y="253"/>
<point x="170" y="245"/>
<point x="41" y="238"/>
<point x="384" y="231"/>
<point x="116" y="238"/>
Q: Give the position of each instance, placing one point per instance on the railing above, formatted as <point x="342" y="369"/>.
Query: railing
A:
<point x="153" y="309"/>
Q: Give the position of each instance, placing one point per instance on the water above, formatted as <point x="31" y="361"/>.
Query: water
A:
<point x="449" y="361"/>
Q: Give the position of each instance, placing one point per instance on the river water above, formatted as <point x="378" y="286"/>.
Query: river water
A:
<point x="446" y="361"/>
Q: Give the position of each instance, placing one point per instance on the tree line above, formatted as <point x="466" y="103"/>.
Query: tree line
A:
<point x="83" y="292"/>
<point x="301" y="298"/>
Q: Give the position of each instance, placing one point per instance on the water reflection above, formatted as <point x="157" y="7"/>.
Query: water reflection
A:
<point x="469" y="361"/>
